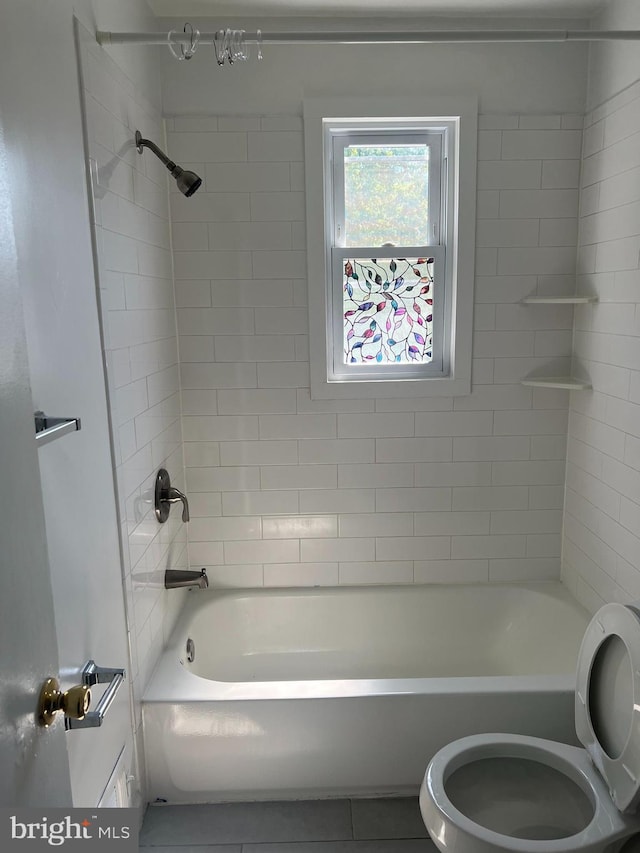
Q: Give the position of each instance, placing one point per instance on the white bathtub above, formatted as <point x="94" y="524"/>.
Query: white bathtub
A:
<point x="350" y="691"/>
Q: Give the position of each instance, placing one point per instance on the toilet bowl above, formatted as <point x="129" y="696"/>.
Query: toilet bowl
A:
<point x="500" y="792"/>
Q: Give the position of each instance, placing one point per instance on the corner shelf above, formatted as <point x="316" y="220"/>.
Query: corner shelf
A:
<point x="558" y="300"/>
<point x="567" y="383"/>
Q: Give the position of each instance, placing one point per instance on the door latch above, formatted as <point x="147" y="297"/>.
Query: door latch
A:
<point x="74" y="703"/>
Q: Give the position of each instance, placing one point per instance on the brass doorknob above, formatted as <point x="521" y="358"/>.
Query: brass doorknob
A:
<point x="73" y="702"/>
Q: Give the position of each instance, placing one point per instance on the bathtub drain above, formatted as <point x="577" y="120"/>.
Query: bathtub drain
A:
<point x="191" y="650"/>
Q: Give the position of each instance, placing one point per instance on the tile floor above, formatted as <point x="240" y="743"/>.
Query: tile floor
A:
<point x="303" y="826"/>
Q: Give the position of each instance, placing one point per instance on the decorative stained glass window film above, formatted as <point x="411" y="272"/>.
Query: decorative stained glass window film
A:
<point x="386" y="195"/>
<point x="388" y="310"/>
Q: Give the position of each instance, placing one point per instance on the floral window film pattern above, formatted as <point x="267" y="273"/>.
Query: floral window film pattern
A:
<point x="388" y="311"/>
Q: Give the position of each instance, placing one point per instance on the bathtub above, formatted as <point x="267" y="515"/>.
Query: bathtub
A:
<point x="350" y="691"/>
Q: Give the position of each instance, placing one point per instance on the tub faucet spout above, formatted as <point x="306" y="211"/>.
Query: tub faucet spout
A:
<point x="177" y="579"/>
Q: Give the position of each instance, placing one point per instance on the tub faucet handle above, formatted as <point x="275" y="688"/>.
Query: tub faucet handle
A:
<point x="175" y="495"/>
<point x="165" y="495"/>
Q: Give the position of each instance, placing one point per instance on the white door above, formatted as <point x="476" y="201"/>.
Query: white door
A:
<point x="46" y="193"/>
<point x="35" y="768"/>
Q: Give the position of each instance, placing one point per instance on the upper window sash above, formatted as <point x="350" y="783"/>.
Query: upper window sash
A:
<point x="433" y="139"/>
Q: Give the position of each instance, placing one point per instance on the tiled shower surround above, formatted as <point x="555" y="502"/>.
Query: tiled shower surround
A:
<point x="140" y="343"/>
<point x="286" y="490"/>
<point x="601" y="546"/>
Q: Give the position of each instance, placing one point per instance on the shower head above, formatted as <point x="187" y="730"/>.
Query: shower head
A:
<point x="188" y="182"/>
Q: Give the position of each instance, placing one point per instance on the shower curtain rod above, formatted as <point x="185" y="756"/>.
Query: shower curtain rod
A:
<point x="382" y="37"/>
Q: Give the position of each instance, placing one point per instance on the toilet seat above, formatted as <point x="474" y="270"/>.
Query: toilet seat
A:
<point x="448" y="824"/>
<point x="621" y="771"/>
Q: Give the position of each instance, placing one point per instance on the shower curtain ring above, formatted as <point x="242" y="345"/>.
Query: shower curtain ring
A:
<point x="186" y="50"/>
<point x="222" y="46"/>
<point x="238" y="48"/>
<point x="227" y="51"/>
<point x="218" y="41"/>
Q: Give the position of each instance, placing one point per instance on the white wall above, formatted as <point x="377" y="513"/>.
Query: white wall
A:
<point x="613" y="65"/>
<point x="131" y="211"/>
<point x="433" y="490"/>
<point x="601" y="547"/>
<point x="509" y="78"/>
<point x="287" y="490"/>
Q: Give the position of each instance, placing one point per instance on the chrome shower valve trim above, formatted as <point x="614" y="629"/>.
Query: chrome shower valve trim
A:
<point x="165" y="495"/>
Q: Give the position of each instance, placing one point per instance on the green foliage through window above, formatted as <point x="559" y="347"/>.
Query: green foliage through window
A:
<point x="386" y="195"/>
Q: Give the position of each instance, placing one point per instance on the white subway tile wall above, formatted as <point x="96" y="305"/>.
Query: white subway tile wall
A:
<point x="131" y="205"/>
<point x="601" y="541"/>
<point x="292" y="491"/>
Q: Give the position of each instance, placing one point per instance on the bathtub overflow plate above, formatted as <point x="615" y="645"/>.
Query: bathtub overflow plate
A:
<point x="191" y="650"/>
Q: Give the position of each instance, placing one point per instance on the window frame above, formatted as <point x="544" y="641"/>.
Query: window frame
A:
<point x="359" y="116"/>
<point x="338" y="135"/>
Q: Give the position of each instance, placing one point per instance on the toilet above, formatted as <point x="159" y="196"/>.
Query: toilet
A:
<point x="501" y="792"/>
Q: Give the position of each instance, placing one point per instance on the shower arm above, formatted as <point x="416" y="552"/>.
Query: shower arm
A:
<point x="141" y="143"/>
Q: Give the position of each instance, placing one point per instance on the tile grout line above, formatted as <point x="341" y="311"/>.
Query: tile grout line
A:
<point x="346" y="842"/>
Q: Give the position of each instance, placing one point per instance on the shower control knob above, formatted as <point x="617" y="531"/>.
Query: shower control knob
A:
<point x="73" y="703"/>
<point x="165" y="494"/>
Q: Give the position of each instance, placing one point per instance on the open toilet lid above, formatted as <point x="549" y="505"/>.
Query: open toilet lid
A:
<point x="607" y="703"/>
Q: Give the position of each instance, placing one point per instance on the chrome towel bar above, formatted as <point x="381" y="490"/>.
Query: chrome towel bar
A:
<point x="48" y="428"/>
<point x="93" y="674"/>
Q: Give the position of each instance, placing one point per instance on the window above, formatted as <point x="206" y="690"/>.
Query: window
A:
<point x="387" y="285"/>
<point x="385" y="288"/>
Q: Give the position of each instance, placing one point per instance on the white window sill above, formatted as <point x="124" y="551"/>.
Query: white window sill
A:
<point x="445" y="386"/>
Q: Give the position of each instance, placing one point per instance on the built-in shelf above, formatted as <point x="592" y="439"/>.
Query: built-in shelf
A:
<point x="49" y="429"/>
<point x="568" y="383"/>
<point x="565" y="383"/>
<point x="558" y="300"/>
